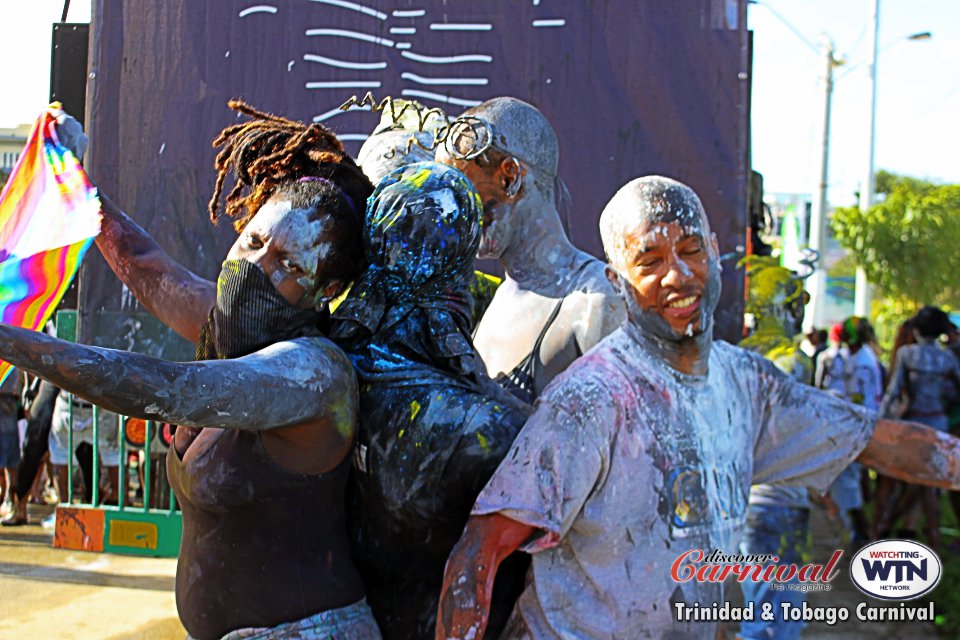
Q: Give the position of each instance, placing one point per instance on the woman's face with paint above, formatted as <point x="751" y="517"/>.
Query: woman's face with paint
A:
<point x="667" y="268"/>
<point x="289" y="245"/>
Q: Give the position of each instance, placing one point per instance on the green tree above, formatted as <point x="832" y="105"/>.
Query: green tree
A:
<point x="909" y="244"/>
<point x="886" y="183"/>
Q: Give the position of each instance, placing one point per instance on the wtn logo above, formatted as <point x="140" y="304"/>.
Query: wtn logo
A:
<point x="903" y="569"/>
<point x="895" y="569"/>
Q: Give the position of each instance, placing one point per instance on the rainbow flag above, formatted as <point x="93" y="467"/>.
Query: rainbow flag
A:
<point x="49" y="215"/>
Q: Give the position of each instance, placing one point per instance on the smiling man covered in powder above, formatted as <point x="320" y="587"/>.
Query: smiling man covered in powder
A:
<point x="646" y="447"/>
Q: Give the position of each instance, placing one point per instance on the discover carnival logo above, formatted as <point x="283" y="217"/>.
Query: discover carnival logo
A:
<point x="895" y="569"/>
<point x="718" y="566"/>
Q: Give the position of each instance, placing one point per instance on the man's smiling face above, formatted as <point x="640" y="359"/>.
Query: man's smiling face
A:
<point x="667" y="271"/>
<point x="663" y="257"/>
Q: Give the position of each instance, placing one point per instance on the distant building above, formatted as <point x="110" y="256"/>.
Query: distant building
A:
<point x="12" y="141"/>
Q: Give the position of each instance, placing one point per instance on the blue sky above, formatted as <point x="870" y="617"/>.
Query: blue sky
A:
<point x="25" y="28"/>
<point x="918" y="91"/>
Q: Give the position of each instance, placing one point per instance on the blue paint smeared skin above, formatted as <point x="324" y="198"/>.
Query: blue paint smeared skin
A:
<point x="422" y="228"/>
<point x="432" y="428"/>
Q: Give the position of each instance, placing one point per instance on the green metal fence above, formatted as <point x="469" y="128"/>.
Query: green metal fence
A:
<point x="151" y="526"/>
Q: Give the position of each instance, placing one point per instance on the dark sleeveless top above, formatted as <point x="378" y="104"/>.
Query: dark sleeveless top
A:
<point x="261" y="545"/>
<point x="521" y="381"/>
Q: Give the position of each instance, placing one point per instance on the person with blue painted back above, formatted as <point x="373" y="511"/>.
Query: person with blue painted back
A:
<point x="433" y="426"/>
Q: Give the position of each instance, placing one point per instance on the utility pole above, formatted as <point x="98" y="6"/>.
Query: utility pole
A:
<point x="863" y="294"/>
<point x="816" y="285"/>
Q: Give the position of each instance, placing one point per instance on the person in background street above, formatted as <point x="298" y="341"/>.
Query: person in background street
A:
<point x="863" y="385"/>
<point x="778" y="516"/>
<point x="814" y="343"/>
<point x="891" y="498"/>
<point x="828" y="374"/>
<point x="922" y="374"/>
<point x="80" y="418"/>
<point x="953" y="407"/>
<point x="39" y="410"/>
<point x="9" y="438"/>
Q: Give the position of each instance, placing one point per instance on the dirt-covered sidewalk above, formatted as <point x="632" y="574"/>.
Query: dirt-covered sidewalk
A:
<point x="54" y="593"/>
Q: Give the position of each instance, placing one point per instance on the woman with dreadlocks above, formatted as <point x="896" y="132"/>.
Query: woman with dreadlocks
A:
<point x="268" y="410"/>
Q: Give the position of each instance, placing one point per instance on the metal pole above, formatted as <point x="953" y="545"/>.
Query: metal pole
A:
<point x="147" y="492"/>
<point x="122" y="470"/>
<point x="96" y="456"/>
<point x="861" y="304"/>
<point x="816" y="286"/>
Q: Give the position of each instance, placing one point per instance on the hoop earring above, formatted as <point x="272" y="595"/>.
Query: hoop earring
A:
<point x="514" y="188"/>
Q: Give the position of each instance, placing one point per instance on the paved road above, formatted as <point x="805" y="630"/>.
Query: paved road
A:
<point x="54" y="593"/>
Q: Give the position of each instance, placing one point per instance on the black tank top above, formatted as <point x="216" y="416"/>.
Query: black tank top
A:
<point x="261" y="545"/>
<point x="521" y="381"/>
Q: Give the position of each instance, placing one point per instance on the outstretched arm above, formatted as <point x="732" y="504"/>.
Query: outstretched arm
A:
<point x="174" y="294"/>
<point x="914" y="453"/>
<point x="286" y="384"/>
<point x="468" y="579"/>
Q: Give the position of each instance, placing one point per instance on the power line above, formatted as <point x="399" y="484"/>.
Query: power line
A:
<point x="786" y="23"/>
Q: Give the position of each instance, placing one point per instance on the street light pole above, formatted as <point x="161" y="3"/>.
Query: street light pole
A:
<point x="863" y="294"/>
<point x="816" y="285"/>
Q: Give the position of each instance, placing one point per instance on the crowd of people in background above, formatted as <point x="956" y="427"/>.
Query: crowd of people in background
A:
<point x="919" y="382"/>
<point x="922" y="384"/>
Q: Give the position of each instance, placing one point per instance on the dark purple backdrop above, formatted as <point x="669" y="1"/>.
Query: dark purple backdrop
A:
<point x="632" y="87"/>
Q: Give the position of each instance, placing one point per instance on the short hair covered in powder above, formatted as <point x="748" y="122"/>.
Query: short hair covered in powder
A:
<point x="649" y="198"/>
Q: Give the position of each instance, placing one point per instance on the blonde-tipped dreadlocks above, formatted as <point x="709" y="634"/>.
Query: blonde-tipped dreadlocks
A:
<point x="269" y="151"/>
